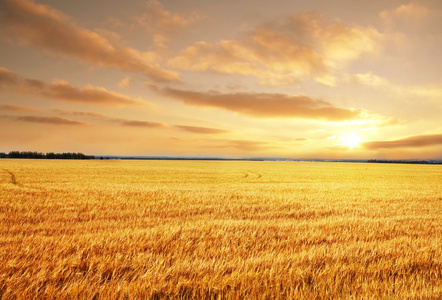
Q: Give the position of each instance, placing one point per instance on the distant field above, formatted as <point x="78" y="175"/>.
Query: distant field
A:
<point x="220" y="230"/>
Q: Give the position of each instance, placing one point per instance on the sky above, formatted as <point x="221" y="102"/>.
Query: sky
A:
<point x="344" y="79"/>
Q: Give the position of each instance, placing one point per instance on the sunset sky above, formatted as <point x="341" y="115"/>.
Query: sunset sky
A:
<point x="344" y="79"/>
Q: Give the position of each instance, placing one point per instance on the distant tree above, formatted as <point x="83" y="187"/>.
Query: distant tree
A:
<point x="14" y="154"/>
<point x="49" y="155"/>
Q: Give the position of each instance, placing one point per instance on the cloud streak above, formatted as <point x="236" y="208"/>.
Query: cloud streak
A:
<point x="409" y="142"/>
<point x="201" y="130"/>
<point x="50" y="30"/>
<point x="157" y="19"/>
<point x="138" y="123"/>
<point x="113" y="120"/>
<point x="265" y="105"/>
<point x="17" y="108"/>
<point x="243" y="145"/>
<point x="46" y="120"/>
<point x="63" y="91"/>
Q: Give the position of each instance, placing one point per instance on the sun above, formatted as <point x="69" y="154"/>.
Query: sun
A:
<point x="351" y="140"/>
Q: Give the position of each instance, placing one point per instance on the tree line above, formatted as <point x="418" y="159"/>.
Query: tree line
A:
<point x="49" y="155"/>
<point x="399" y="161"/>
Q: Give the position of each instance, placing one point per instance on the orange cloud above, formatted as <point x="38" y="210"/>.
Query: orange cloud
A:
<point x="412" y="17"/>
<point x="137" y="123"/>
<point x="50" y="30"/>
<point x="46" y="120"/>
<point x="158" y="22"/>
<point x="243" y="145"/>
<point x="157" y="19"/>
<point x="413" y="36"/>
<point x="264" y="105"/>
<point x="63" y="91"/>
<point x="201" y="130"/>
<point x="284" y="51"/>
<point x="125" y="82"/>
<point x="16" y="108"/>
<point x="409" y="142"/>
<point x="114" y="120"/>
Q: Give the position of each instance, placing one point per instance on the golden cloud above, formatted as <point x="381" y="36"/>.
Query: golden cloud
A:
<point x="50" y="30"/>
<point x="125" y="82"/>
<point x="409" y="142"/>
<point x="201" y="130"/>
<point x="243" y="145"/>
<point x="63" y="91"/>
<point x="263" y="105"/>
<point x="114" y="120"/>
<point x="284" y="51"/>
<point x="412" y="17"/>
<point x="157" y="19"/>
<point x="46" y="120"/>
<point x="17" y="108"/>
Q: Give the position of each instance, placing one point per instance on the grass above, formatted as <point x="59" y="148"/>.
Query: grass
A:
<point x="219" y="230"/>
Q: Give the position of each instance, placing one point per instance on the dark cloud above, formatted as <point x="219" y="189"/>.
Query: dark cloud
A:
<point x="113" y="120"/>
<point x="46" y="120"/>
<point x="201" y="130"/>
<point x="50" y="30"/>
<point x="263" y="105"/>
<point x="63" y="91"/>
<point x="16" y="108"/>
<point x="137" y="123"/>
<point x="409" y="142"/>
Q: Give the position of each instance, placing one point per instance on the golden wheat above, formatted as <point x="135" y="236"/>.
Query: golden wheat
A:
<point x="219" y="230"/>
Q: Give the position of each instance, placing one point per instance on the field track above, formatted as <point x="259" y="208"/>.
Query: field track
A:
<point x="219" y="230"/>
<point x="12" y="175"/>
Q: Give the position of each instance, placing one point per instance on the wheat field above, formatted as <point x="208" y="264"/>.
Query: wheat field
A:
<point x="219" y="230"/>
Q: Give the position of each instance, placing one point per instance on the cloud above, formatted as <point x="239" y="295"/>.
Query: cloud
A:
<point x="137" y="123"/>
<point x="243" y="145"/>
<point x="50" y="30"/>
<point x="63" y="91"/>
<point x="201" y="130"/>
<point x="157" y="19"/>
<point x="16" y="108"/>
<point x="263" y="105"/>
<point x="250" y="145"/>
<point x="413" y="38"/>
<point x="414" y="18"/>
<point x="409" y="142"/>
<point x="338" y="148"/>
<point x="370" y="79"/>
<point x="125" y="82"/>
<point x="428" y="93"/>
<point x="300" y="140"/>
<point x="158" y="22"/>
<point x="284" y="51"/>
<point x="46" y="120"/>
<point x="113" y="120"/>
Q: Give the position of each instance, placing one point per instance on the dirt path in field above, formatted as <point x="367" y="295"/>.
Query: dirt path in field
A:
<point x="12" y="175"/>
<point x="255" y="175"/>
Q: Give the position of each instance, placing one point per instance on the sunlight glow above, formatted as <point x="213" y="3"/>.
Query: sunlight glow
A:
<point x="351" y="140"/>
